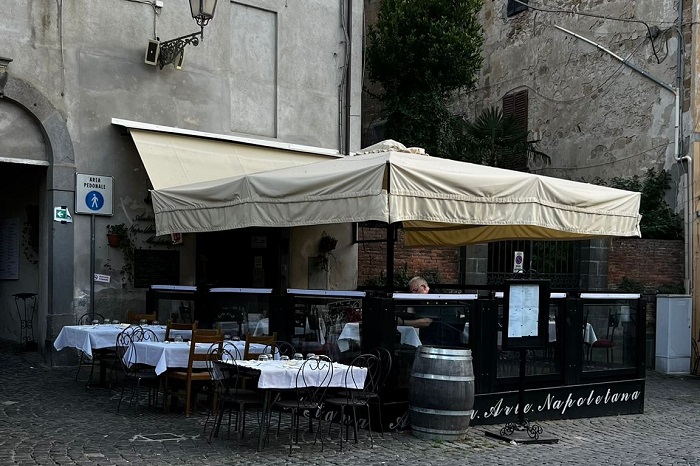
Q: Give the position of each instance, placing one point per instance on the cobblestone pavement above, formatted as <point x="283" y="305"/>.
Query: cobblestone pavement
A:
<point x="47" y="418"/>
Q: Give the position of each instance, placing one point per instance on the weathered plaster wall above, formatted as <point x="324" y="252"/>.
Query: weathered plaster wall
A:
<point x="86" y="58"/>
<point x="592" y="115"/>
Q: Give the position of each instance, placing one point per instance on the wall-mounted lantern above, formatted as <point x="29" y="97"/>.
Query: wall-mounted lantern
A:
<point x="173" y="51"/>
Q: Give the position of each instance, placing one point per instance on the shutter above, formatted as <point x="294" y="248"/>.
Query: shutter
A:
<point x="515" y="7"/>
<point x="515" y="105"/>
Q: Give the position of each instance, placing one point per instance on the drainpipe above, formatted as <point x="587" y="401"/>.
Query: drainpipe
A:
<point x="677" y="135"/>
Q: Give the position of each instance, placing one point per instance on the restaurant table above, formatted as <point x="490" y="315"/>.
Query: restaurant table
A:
<point x="170" y="354"/>
<point x="351" y="332"/>
<point x="87" y="338"/>
<point x="282" y="375"/>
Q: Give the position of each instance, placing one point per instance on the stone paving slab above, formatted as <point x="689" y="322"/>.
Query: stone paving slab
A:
<point x="46" y="418"/>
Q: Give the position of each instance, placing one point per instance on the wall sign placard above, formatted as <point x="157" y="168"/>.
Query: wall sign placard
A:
<point x="526" y="314"/>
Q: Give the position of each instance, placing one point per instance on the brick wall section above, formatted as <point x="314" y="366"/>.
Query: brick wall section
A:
<point x="647" y="261"/>
<point x="372" y="258"/>
<point x="652" y="263"/>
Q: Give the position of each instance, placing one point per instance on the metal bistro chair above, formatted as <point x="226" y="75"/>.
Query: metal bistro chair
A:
<point x="138" y="374"/>
<point x="358" y="394"/>
<point x="143" y="334"/>
<point x="310" y="385"/>
<point x="283" y="348"/>
<point x="228" y="391"/>
<point x="86" y="319"/>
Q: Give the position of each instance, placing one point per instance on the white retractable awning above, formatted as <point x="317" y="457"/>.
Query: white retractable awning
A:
<point x="175" y="157"/>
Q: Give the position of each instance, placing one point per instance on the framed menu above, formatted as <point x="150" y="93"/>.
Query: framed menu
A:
<point x="526" y="314"/>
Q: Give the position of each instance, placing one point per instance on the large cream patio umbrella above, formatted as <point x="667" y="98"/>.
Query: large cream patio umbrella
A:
<point x="439" y="202"/>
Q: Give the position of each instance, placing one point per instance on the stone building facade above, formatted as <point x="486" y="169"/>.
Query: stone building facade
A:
<point x="273" y="78"/>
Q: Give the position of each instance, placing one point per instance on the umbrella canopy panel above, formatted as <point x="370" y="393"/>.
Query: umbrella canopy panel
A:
<point x="438" y="201"/>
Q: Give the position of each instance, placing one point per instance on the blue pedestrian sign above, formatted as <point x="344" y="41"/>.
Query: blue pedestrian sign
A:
<point x="93" y="194"/>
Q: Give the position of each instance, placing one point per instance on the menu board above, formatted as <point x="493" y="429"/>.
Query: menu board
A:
<point x="526" y="314"/>
<point x="9" y="248"/>
<point x="156" y="267"/>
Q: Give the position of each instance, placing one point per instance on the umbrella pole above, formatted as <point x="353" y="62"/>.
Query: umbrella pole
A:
<point x="390" y="235"/>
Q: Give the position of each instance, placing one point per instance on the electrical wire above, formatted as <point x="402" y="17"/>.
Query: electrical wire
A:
<point x="574" y="11"/>
<point x="664" y="145"/>
<point x="614" y="74"/>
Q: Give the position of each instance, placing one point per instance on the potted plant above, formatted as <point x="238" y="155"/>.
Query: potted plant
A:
<point x="327" y="243"/>
<point x="115" y="234"/>
<point x="325" y="246"/>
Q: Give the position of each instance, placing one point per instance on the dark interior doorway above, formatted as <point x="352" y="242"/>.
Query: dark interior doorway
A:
<point x="245" y="258"/>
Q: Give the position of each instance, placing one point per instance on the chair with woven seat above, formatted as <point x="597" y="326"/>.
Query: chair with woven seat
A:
<point x="230" y="395"/>
<point x="138" y="374"/>
<point x="178" y="327"/>
<point x="267" y="340"/>
<point x="136" y="318"/>
<point x="358" y="395"/>
<point x="311" y="382"/>
<point x="192" y="375"/>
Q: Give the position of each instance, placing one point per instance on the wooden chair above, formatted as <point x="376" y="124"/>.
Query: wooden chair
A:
<point x="268" y="340"/>
<point x="135" y="318"/>
<point x="177" y="326"/>
<point x="191" y="374"/>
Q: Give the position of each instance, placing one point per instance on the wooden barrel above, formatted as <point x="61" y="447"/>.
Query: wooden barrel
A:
<point x="441" y="393"/>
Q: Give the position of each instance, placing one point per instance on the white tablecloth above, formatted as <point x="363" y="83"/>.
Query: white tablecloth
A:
<point x="91" y="337"/>
<point x="351" y="332"/>
<point x="282" y="375"/>
<point x="165" y="355"/>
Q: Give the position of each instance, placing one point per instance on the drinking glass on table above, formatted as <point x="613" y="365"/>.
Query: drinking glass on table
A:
<point x="143" y="322"/>
<point x="95" y="323"/>
<point x="311" y="356"/>
<point x="107" y="321"/>
<point x="115" y="321"/>
<point x="155" y="322"/>
<point x="263" y="357"/>
<point x="178" y="338"/>
<point x="284" y="357"/>
<point x="298" y="357"/>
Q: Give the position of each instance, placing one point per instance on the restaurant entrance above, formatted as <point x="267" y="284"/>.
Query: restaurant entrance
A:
<point x="247" y="257"/>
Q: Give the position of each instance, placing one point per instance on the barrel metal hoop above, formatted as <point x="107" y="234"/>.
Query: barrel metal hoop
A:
<point x="444" y="357"/>
<point x="441" y="412"/>
<point x="444" y="353"/>
<point x="452" y="378"/>
<point x="438" y="431"/>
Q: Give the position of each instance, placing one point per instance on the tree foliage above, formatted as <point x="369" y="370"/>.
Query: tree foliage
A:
<point x="420" y="51"/>
<point x="659" y="221"/>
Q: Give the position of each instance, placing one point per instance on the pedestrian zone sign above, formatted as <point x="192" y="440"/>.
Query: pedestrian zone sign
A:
<point x="93" y="194"/>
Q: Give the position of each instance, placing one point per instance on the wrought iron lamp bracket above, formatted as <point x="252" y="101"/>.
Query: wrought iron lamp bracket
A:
<point x="170" y="49"/>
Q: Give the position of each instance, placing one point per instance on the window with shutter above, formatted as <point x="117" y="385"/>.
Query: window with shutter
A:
<point x="515" y="7"/>
<point x="515" y="105"/>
